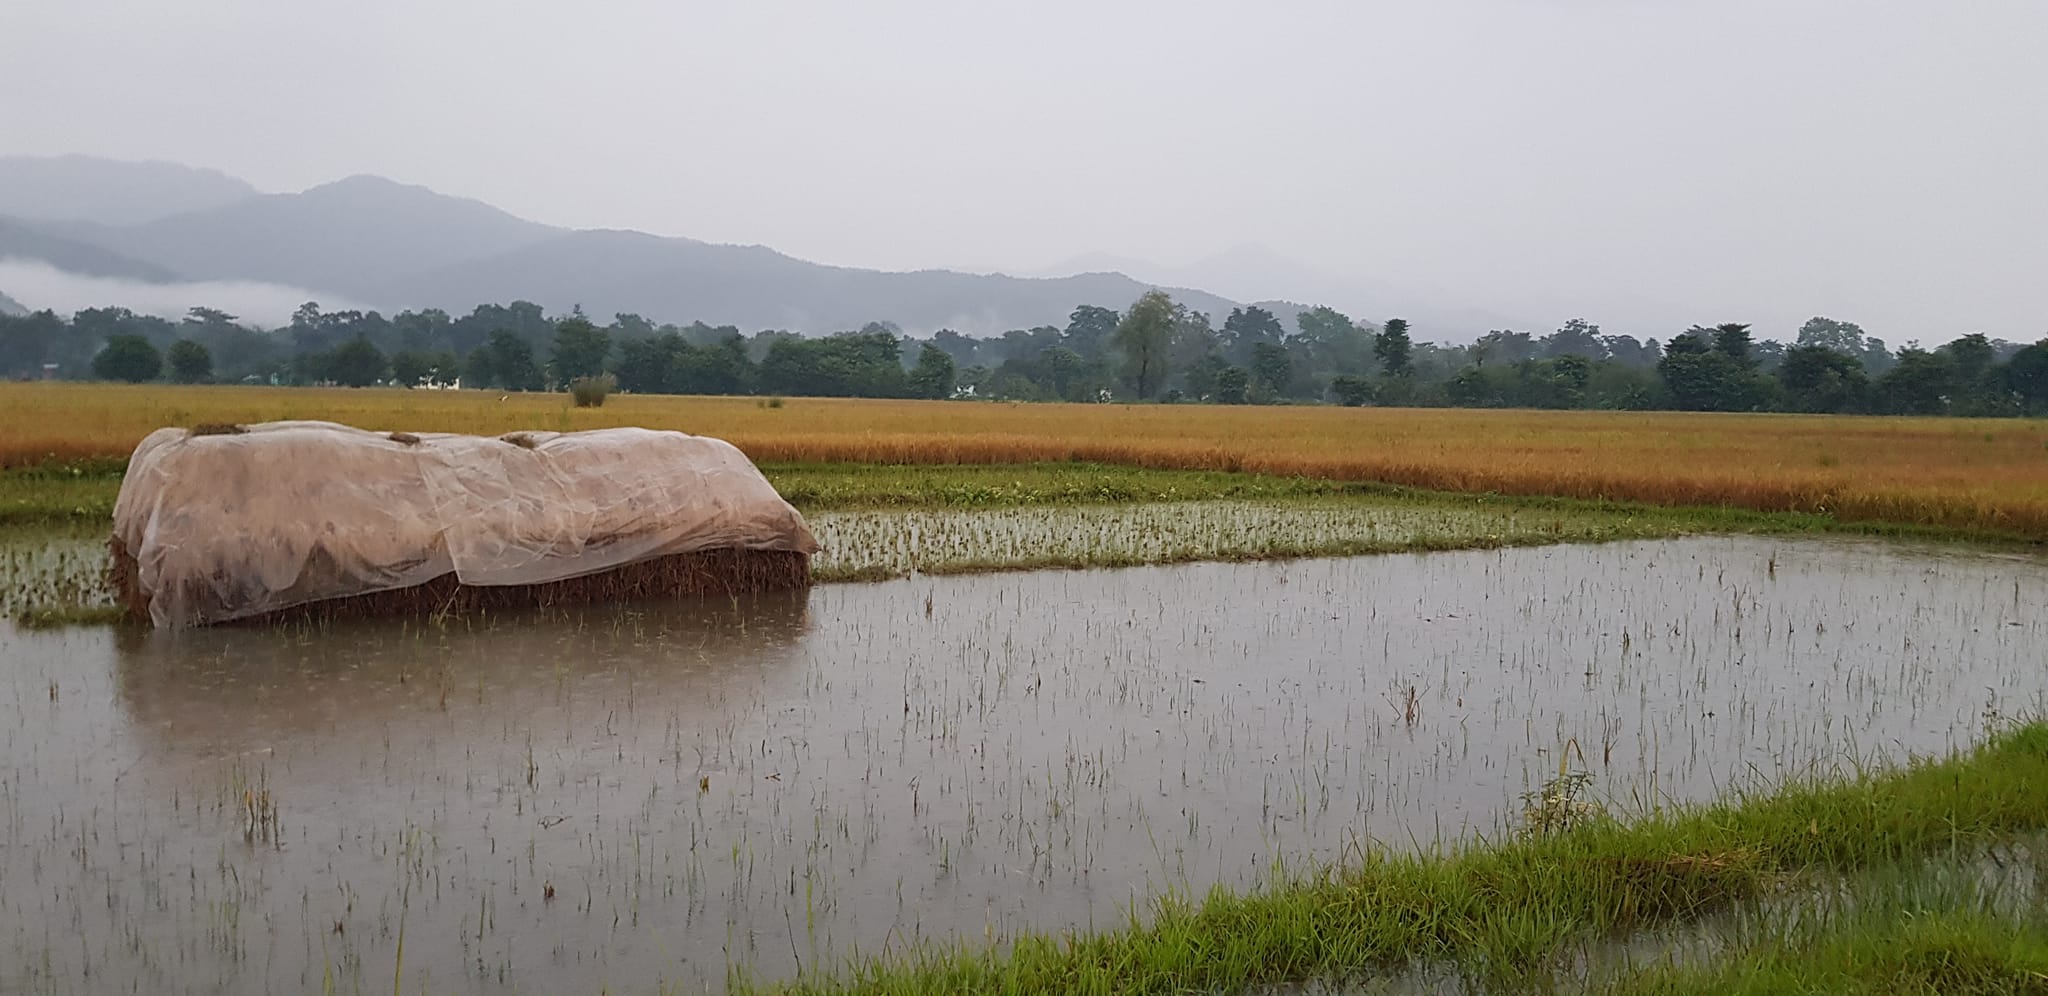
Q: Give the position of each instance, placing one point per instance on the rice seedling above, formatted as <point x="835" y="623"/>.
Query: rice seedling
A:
<point x="987" y="780"/>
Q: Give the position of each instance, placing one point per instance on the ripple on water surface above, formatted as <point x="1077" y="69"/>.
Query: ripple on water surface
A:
<point x="640" y="795"/>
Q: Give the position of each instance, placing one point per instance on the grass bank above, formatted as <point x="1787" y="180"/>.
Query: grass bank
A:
<point x="82" y="491"/>
<point x="1951" y="948"/>
<point x="1506" y="912"/>
<point x="887" y="521"/>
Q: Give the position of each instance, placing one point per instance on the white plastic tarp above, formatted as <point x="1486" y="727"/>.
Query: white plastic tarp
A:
<point x="231" y="525"/>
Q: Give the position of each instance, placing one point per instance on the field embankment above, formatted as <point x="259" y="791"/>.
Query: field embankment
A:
<point x="1951" y="473"/>
<point x="1506" y="915"/>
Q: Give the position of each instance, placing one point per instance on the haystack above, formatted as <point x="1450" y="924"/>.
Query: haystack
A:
<point x="226" y="523"/>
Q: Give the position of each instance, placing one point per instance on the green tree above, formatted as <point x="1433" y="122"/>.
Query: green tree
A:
<point x="1331" y="343"/>
<point x="1246" y="327"/>
<point x="1979" y="388"/>
<point x="1732" y="339"/>
<point x="717" y="367"/>
<point x="1920" y="383"/>
<point x="129" y="358"/>
<point x="190" y="362"/>
<point x="410" y="368"/>
<point x="1062" y="370"/>
<point x="1204" y="376"/>
<point x="356" y="363"/>
<point x="1567" y="377"/>
<point x="1847" y="338"/>
<point x="652" y="365"/>
<point x="933" y="375"/>
<point x="1233" y="385"/>
<point x="505" y="361"/>
<point x="1705" y="372"/>
<point x="1393" y="348"/>
<point x="1351" y="390"/>
<point x="1578" y="337"/>
<point x="580" y="348"/>
<point x="1143" y="337"/>
<point x="2026" y="376"/>
<point x="1193" y="338"/>
<point x="1271" y="366"/>
<point x="1090" y="330"/>
<point x="1822" y="379"/>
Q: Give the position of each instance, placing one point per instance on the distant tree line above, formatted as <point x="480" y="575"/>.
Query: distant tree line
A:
<point x="1156" y="350"/>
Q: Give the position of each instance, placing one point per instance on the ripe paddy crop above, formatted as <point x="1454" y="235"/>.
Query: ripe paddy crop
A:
<point x="1980" y="474"/>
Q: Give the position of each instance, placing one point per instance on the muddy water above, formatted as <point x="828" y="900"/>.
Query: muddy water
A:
<point x="656" y="796"/>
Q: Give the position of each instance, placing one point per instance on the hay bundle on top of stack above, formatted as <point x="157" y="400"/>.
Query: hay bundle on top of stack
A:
<point x="226" y="523"/>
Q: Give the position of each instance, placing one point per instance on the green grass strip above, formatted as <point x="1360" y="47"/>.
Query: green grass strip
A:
<point x="83" y="492"/>
<point x="1930" y="951"/>
<point x="1502" y="909"/>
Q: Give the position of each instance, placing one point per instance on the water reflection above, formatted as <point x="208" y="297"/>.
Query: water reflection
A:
<point x="645" y="796"/>
<point x="207" y="692"/>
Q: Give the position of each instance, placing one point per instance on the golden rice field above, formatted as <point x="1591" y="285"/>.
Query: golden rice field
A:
<point x="1966" y="473"/>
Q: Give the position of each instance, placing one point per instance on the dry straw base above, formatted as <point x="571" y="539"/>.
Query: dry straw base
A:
<point x="706" y="572"/>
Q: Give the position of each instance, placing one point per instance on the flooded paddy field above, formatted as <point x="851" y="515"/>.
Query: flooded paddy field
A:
<point x="655" y="796"/>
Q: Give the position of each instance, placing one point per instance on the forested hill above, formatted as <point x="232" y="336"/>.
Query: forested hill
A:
<point x="395" y="246"/>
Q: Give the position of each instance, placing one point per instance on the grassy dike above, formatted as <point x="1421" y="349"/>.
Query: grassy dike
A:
<point x="975" y="515"/>
<point x="82" y="492"/>
<point x="1505" y="912"/>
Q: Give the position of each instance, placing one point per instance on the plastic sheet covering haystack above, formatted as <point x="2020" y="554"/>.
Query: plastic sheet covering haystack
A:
<point x="213" y="526"/>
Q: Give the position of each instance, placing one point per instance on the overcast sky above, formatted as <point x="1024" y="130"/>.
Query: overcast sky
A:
<point x="1644" y="163"/>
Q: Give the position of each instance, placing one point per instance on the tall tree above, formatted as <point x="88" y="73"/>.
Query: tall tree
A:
<point x="505" y="361"/>
<point x="1822" y="379"/>
<point x="1271" y="366"/>
<point x="1205" y="376"/>
<point x="1920" y="383"/>
<point x="1393" y="348"/>
<point x="1704" y="371"/>
<point x="127" y="357"/>
<point x="1331" y="343"/>
<point x="580" y="349"/>
<point x="1143" y="337"/>
<point x="1089" y="330"/>
<point x="1849" y="338"/>
<point x="1248" y="326"/>
<point x="356" y="363"/>
<point x="933" y="375"/>
<point x="2026" y="376"/>
<point x="1577" y="337"/>
<point x="190" y="362"/>
<point x="1732" y="339"/>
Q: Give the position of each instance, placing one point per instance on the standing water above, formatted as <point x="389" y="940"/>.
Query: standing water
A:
<point x="659" y="795"/>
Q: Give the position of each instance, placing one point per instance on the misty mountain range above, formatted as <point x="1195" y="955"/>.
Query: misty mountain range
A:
<point x="378" y="243"/>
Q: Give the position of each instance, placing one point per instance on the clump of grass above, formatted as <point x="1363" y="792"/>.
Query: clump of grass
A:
<point x="216" y="429"/>
<point x="1560" y="805"/>
<point x="1949" y="948"/>
<point x="406" y="438"/>
<point x="590" y="392"/>
<point x="1513" y="907"/>
<point x="523" y="440"/>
